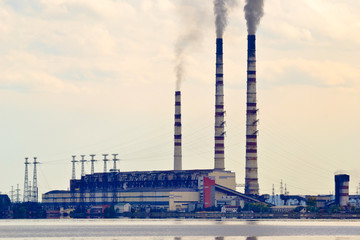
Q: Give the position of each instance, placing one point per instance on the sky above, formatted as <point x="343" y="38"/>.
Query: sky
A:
<point x="98" y="77"/>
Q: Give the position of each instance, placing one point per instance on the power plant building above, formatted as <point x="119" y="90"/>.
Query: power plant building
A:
<point x="178" y="189"/>
<point x="170" y="190"/>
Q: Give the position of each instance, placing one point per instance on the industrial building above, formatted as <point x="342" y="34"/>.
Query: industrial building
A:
<point x="178" y="189"/>
<point x="183" y="190"/>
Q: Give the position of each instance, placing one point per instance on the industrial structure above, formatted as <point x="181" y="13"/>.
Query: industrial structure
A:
<point x="35" y="187"/>
<point x="177" y="133"/>
<point x="342" y="189"/>
<point x="30" y="192"/>
<point x="26" y="182"/>
<point x="219" y="109"/>
<point x="251" y="170"/>
<point x="181" y="190"/>
<point x="176" y="190"/>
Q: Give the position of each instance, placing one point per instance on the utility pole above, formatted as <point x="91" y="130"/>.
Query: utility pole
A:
<point x="73" y="176"/>
<point x="115" y="160"/>
<point x="105" y="161"/>
<point x="26" y="182"/>
<point x="281" y="187"/>
<point x="35" y="187"/>
<point x="83" y="165"/>
<point x="92" y="163"/>
<point x="273" y="194"/>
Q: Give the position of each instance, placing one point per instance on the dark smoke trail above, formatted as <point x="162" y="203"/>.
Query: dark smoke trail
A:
<point x="254" y="11"/>
<point x="221" y="12"/>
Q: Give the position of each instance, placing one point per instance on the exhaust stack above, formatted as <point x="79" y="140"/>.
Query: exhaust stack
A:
<point x="177" y="133"/>
<point x="251" y="170"/>
<point x="219" y="109"/>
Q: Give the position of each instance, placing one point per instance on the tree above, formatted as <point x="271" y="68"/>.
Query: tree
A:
<point x="257" y="207"/>
<point x="109" y="212"/>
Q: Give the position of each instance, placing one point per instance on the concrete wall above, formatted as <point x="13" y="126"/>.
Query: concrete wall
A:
<point x="182" y="201"/>
<point x="224" y="178"/>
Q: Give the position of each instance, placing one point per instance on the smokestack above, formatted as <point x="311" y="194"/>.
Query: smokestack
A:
<point x="342" y="189"/>
<point x="219" y="108"/>
<point x="177" y="133"/>
<point x="251" y="170"/>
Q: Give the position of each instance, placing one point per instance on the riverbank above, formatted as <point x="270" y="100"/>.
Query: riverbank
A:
<point x="240" y="215"/>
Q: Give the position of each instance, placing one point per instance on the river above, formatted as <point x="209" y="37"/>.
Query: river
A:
<point x="183" y="229"/>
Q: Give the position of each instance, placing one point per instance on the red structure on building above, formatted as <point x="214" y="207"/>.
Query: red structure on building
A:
<point x="209" y="192"/>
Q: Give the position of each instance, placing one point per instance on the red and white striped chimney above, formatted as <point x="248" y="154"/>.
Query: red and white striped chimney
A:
<point x="219" y="109"/>
<point x="177" y="134"/>
<point x="251" y="169"/>
<point x="342" y="189"/>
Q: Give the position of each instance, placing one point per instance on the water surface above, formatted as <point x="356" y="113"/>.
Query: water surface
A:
<point x="184" y="229"/>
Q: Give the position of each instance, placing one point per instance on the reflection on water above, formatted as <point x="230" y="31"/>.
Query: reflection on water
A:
<point x="136" y="229"/>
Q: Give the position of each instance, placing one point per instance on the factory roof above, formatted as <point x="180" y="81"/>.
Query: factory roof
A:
<point x="135" y="190"/>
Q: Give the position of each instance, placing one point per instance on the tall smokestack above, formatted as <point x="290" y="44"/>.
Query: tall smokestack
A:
<point x="219" y="108"/>
<point x="177" y="133"/>
<point x="254" y="11"/>
<point x="251" y="172"/>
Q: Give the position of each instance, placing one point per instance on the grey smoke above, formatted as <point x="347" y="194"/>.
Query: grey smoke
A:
<point x="254" y="11"/>
<point x="221" y="8"/>
<point x="192" y="20"/>
<point x="183" y="43"/>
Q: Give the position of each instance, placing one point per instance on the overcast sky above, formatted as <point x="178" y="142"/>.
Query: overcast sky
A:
<point x="94" y="77"/>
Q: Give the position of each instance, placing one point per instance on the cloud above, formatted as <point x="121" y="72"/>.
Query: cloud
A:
<point x="310" y="72"/>
<point x="319" y="19"/>
<point x="85" y="41"/>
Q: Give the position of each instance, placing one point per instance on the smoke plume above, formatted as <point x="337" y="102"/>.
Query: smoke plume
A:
<point x="183" y="43"/>
<point x="254" y="11"/>
<point x="221" y="8"/>
<point x="191" y="18"/>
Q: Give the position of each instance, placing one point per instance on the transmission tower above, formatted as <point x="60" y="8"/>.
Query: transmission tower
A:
<point x="29" y="192"/>
<point x="73" y="167"/>
<point x="12" y="194"/>
<point x="26" y="182"/>
<point x="73" y="177"/>
<point x="115" y="160"/>
<point x="114" y="197"/>
<point x="105" y="162"/>
<point x="281" y="187"/>
<point x="35" y="187"/>
<point x="17" y="194"/>
<point x="83" y="165"/>
<point x="92" y="163"/>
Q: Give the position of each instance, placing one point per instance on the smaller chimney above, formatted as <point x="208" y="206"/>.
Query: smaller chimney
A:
<point x="219" y="158"/>
<point x="177" y="133"/>
<point x="342" y="189"/>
